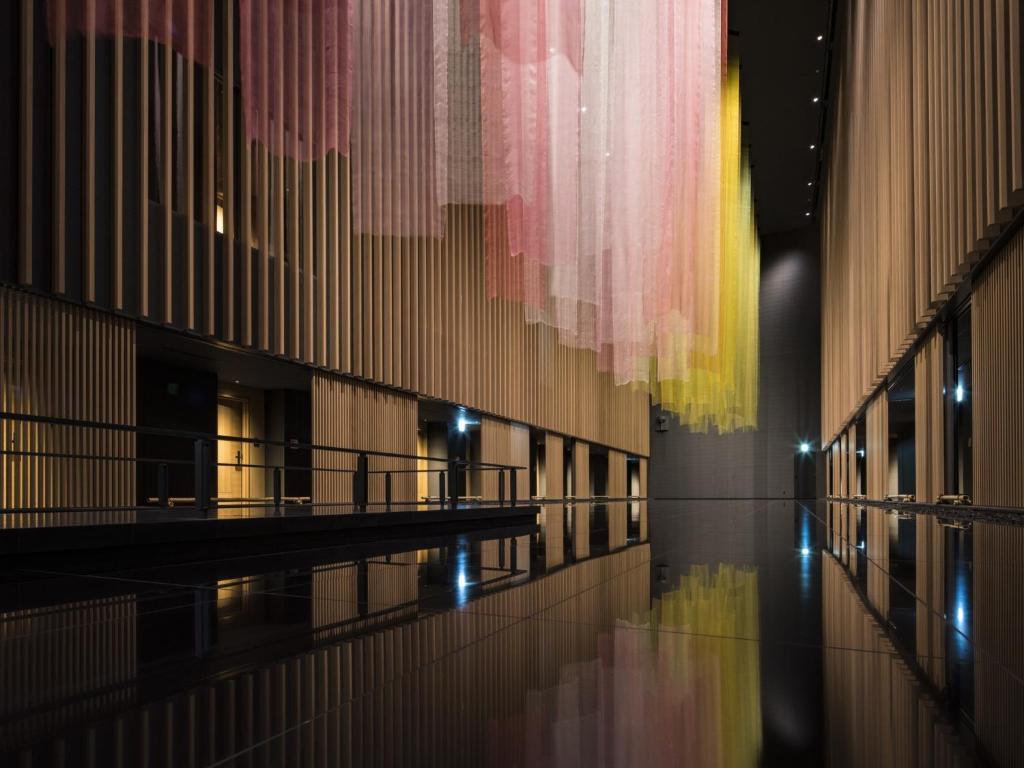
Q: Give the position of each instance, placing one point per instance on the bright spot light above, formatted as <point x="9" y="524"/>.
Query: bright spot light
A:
<point x="959" y="614"/>
<point x="461" y="424"/>
<point x="861" y="545"/>
<point x="462" y="580"/>
<point x="820" y="38"/>
<point x="815" y="100"/>
<point x="805" y="551"/>
<point x="959" y="393"/>
<point x="805" y="447"/>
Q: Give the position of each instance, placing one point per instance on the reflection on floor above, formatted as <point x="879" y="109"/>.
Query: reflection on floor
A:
<point x="710" y="633"/>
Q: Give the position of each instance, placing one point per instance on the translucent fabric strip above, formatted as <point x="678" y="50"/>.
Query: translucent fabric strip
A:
<point x="296" y="75"/>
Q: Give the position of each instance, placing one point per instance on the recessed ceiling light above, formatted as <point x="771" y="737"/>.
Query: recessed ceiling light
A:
<point x="815" y="99"/>
<point x="813" y="146"/>
<point x="810" y="183"/>
<point x="807" y="213"/>
<point x="820" y="38"/>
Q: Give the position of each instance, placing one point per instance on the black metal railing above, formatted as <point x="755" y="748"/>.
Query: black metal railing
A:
<point x="451" y="473"/>
<point x="953" y="508"/>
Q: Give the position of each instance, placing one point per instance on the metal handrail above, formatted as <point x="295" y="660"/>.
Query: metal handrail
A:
<point x="204" y="461"/>
<point x="190" y="435"/>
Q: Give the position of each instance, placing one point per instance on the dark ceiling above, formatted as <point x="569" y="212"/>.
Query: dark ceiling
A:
<point x="783" y="69"/>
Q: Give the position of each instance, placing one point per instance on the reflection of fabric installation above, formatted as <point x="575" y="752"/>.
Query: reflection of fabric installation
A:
<point x="680" y="688"/>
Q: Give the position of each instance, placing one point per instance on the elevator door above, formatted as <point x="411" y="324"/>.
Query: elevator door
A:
<point x="230" y="473"/>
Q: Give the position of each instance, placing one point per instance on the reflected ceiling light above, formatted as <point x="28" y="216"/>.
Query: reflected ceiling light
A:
<point x="461" y="424"/>
<point x="959" y="393"/>
<point x="805" y="551"/>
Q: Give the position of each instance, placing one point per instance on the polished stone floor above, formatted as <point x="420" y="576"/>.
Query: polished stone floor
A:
<point x="675" y="633"/>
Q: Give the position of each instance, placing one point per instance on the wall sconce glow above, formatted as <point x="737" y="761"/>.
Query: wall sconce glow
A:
<point x="805" y="447"/>
<point x="461" y="424"/>
<point x="959" y="393"/>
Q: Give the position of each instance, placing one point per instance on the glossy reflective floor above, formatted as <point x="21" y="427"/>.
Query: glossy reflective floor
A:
<point x="710" y="633"/>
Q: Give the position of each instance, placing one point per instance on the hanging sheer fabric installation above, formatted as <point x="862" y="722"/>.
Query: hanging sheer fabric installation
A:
<point x="599" y="139"/>
<point x="618" y="197"/>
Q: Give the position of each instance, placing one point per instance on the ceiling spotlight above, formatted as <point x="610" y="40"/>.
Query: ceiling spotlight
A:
<point x="813" y="146"/>
<point x="807" y="213"/>
<point x="820" y="38"/>
<point x="810" y="183"/>
<point x="815" y="100"/>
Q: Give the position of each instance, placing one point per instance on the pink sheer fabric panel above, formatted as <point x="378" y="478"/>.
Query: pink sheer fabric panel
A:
<point x="287" y="42"/>
<point x="530" y="58"/>
<point x="395" y="155"/>
<point x="162" y="21"/>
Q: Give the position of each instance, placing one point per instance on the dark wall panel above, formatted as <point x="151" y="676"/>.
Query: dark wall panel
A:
<point x="760" y="464"/>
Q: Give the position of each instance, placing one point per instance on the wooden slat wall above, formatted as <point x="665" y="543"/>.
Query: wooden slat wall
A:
<point x="926" y="165"/>
<point x="554" y="465"/>
<point x="349" y="414"/>
<point x="997" y="348"/>
<point x="877" y="449"/>
<point x="929" y="457"/>
<point x="397" y="696"/>
<point x="408" y="312"/>
<point x="65" y="361"/>
<point x="504" y="443"/>
<point x="581" y="468"/>
<point x="876" y="711"/>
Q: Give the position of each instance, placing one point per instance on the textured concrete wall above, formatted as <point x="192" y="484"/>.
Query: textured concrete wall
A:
<point x="760" y="464"/>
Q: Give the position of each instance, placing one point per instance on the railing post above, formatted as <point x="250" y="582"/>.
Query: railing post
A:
<point x="441" y="493"/>
<point x="202" y="491"/>
<point x="161" y="484"/>
<point x="277" y="488"/>
<point x="512" y="487"/>
<point x="387" y="491"/>
<point x="453" y="483"/>
<point x="501" y="488"/>
<point x="361" y="483"/>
